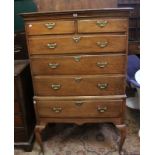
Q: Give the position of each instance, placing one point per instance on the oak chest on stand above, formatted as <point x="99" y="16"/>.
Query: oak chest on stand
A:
<point x="78" y="62"/>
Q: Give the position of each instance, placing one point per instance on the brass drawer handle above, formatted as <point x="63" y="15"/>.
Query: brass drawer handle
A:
<point x="77" y="58"/>
<point x="51" y="45"/>
<point x="56" y="109"/>
<point x="55" y="86"/>
<point x="102" y="86"/>
<point x="53" y="66"/>
<point x="78" y="79"/>
<point x="50" y="25"/>
<point x="102" y="109"/>
<point x="102" y="23"/>
<point x="101" y="64"/>
<point x="102" y="44"/>
<point x="76" y="39"/>
<point x="79" y="103"/>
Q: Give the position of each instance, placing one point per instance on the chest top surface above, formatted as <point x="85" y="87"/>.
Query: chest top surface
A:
<point x="75" y="14"/>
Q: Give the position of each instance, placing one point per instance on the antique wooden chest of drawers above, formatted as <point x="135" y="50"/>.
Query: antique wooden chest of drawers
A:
<point x="78" y="64"/>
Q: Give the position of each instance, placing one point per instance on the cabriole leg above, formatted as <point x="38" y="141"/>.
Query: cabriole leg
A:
<point x="38" y="131"/>
<point x="122" y="130"/>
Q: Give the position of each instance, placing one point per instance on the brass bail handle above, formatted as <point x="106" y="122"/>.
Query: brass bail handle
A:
<point x="101" y="64"/>
<point x="51" y="45"/>
<point x="56" y="109"/>
<point x="102" y="23"/>
<point x="53" y="65"/>
<point x="102" y="44"/>
<point x="102" y="86"/>
<point x="102" y="109"/>
<point x="55" y="86"/>
<point x="50" y="25"/>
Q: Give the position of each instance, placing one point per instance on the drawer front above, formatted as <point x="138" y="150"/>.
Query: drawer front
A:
<point x="89" y="85"/>
<point x="77" y="44"/>
<point x="50" y="27"/>
<point x="78" y="64"/>
<point x="80" y="108"/>
<point x="102" y="25"/>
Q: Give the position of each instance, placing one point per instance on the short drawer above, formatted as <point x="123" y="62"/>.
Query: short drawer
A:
<point x="80" y="108"/>
<point x="84" y="85"/>
<point x="78" y="64"/>
<point x="50" y="27"/>
<point x="102" y="25"/>
<point x="77" y="44"/>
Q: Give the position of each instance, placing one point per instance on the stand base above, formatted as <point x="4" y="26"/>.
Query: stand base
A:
<point x="39" y="128"/>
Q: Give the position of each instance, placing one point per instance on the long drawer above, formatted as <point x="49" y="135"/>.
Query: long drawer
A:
<point x="50" y="27"/>
<point x="80" y="108"/>
<point x="102" y="25"/>
<point x="77" y="44"/>
<point x="84" y="85"/>
<point x="78" y="64"/>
